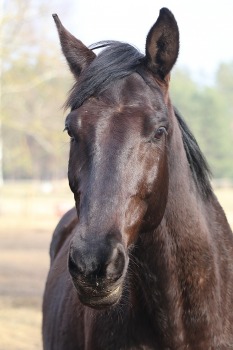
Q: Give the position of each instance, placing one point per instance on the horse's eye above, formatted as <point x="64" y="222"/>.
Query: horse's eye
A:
<point x="68" y="132"/>
<point x="159" y="132"/>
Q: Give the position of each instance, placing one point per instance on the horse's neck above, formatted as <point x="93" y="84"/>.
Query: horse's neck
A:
<point x="175" y="252"/>
<point x="186" y="208"/>
<point x="177" y="265"/>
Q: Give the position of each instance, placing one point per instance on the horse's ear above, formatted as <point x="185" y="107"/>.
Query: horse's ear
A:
<point x="162" y="44"/>
<point x="76" y="53"/>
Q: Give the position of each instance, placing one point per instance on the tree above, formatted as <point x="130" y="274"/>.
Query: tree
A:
<point x="206" y="111"/>
<point x="34" y="82"/>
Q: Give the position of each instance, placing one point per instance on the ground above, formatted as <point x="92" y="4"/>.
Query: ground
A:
<point x="28" y="214"/>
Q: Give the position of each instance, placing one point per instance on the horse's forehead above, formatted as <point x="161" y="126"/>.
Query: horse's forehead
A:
<point x="131" y="95"/>
<point x="133" y="89"/>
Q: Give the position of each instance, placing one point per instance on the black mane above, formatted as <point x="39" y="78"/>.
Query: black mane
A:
<point x="117" y="61"/>
<point x="197" y="162"/>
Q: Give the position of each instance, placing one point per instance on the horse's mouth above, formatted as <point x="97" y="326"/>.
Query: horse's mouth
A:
<point x="101" y="301"/>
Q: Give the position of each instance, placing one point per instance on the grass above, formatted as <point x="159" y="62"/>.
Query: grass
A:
<point x="225" y="197"/>
<point x="20" y="327"/>
<point x="28" y="214"/>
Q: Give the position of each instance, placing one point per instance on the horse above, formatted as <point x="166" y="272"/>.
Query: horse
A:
<point x="145" y="259"/>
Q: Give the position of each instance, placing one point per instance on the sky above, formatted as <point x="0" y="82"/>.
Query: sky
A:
<point x="206" y="28"/>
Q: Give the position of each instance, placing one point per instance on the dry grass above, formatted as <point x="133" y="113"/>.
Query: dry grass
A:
<point x="28" y="215"/>
<point x="225" y="196"/>
<point x="20" y="327"/>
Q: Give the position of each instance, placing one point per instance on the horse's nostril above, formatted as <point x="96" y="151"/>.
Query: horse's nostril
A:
<point x="73" y="268"/>
<point x="116" y="264"/>
<point x="83" y="265"/>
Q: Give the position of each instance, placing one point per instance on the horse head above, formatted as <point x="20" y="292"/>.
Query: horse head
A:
<point x="118" y="171"/>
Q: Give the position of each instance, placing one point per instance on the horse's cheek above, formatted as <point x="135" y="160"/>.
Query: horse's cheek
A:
<point x="134" y="214"/>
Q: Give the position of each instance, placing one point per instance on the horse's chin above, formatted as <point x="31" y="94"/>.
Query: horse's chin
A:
<point x="101" y="301"/>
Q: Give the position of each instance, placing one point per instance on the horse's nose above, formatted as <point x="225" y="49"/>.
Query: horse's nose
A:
<point x="92" y="263"/>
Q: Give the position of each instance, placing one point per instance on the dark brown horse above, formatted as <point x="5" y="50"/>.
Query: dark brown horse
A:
<point x="145" y="261"/>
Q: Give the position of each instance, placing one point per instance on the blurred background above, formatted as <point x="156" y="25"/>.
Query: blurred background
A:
<point x="35" y="80"/>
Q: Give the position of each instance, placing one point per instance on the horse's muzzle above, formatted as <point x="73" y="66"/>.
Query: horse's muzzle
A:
<point x="99" y="300"/>
<point x="98" y="274"/>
